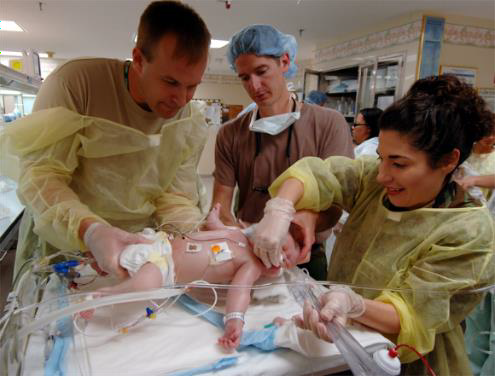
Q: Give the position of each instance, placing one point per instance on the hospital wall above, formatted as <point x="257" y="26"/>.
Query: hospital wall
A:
<point x="229" y="90"/>
<point x="475" y="49"/>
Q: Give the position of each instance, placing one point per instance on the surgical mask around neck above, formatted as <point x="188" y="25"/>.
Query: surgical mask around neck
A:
<point x="273" y="125"/>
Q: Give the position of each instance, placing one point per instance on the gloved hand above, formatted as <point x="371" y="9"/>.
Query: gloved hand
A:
<point x="339" y="303"/>
<point x="271" y="231"/>
<point x="106" y="243"/>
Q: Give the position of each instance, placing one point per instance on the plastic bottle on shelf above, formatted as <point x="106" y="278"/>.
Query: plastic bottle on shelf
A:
<point x="17" y="112"/>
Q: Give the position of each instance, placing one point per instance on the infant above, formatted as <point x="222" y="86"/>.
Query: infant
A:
<point x="219" y="255"/>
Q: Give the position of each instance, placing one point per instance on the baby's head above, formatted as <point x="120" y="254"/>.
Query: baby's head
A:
<point x="291" y="251"/>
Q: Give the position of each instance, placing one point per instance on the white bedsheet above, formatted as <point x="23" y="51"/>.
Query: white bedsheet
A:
<point x="176" y="340"/>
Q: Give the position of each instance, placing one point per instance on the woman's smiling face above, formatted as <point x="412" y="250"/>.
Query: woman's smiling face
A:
<point x="404" y="171"/>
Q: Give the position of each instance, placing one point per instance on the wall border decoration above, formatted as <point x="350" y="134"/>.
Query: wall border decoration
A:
<point x="391" y="37"/>
<point x="469" y="35"/>
<point x="453" y="34"/>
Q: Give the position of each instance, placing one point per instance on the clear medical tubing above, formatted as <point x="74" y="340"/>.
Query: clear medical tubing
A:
<point x="356" y="357"/>
<point x="95" y="303"/>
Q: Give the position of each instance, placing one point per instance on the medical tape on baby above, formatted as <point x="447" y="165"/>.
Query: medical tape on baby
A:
<point x="220" y="252"/>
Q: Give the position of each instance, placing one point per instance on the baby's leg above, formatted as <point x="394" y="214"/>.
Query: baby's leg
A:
<point x="148" y="277"/>
<point x="213" y="221"/>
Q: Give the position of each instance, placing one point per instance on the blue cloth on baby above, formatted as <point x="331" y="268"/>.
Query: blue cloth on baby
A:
<point x="218" y="365"/>
<point x="263" y="339"/>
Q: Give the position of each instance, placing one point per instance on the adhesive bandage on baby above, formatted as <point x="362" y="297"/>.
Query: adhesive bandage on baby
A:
<point x="220" y="252"/>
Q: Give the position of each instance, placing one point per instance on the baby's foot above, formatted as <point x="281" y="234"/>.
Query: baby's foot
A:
<point x="213" y="221"/>
<point x="88" y="314"/>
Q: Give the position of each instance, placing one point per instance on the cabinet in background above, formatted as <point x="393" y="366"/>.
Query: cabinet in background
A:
<point x="340" y="86"/>
<point x="17" y="94"/>
<point x="374" y="83"/>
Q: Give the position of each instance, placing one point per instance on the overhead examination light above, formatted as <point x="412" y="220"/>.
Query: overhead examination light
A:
<point x="218" y="43"/>
<point x="9" y="26"/>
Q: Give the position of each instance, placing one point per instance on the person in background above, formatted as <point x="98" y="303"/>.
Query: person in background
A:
<point x="113" y="146"/>
<point x="253" y="149"/>
<point x="365" y="131"/>
<point x="481" y="162"/>
<point x="421" y="246"/>
<point x="317" y="97"/>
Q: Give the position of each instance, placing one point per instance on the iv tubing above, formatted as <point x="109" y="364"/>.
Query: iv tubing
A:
<point x="94" y="303"/>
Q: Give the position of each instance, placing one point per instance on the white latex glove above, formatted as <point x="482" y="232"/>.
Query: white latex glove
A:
<point x="271" y="231"/>
<point x="339" y="303"/>
<point x="106" y="243"/>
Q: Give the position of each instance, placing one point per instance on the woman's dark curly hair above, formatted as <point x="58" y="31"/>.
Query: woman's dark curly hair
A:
<point x="440" y="114"/>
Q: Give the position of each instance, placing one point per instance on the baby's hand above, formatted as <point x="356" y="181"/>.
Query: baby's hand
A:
<point x="232" y="334"/>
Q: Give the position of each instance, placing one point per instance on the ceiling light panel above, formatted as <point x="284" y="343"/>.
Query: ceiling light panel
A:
<point x="218" y="43"/>
<point x="9" y="26"/>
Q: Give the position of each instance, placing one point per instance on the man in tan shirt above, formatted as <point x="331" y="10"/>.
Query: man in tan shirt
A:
<point x="253" y="149"/>
<point x="144" y="105"/>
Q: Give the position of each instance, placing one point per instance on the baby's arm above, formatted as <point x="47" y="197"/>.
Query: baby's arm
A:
<point x="238" y="299"/>
<point x="482" y="181"/>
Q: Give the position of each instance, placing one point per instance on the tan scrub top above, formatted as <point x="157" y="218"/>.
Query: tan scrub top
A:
<point x="318" y="132"/>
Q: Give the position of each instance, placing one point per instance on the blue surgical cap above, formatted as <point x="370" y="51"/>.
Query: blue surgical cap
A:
<point x="263" y="40"/>
<point x="316" y="97"/>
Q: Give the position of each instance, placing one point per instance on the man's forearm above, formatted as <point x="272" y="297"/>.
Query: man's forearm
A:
<point x="227" y="218"/>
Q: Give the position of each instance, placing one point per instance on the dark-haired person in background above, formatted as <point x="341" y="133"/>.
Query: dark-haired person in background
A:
<point x="316" y="97"/>
<point x="365" y="131"/>
<point x="113" y="146"/>
<point x="414" y="237"/>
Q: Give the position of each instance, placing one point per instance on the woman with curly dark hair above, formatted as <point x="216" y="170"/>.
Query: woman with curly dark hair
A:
<point x="416" y="246"/>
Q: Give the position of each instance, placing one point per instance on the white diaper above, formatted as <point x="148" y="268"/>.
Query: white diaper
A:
<point x="159" y="253"/>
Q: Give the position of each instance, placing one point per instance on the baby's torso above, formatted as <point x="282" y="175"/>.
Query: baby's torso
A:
<point x="199" y="256"/>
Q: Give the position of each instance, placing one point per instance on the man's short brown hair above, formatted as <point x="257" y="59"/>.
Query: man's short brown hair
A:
<point x="172" y="17"/>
